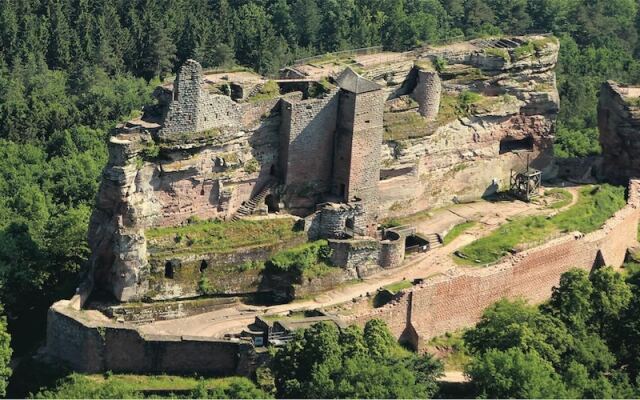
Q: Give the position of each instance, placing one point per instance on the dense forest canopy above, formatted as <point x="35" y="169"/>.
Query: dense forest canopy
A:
<point x="70" y="69"/>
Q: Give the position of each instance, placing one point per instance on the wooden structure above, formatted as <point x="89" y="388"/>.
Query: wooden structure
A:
<point x="525" y="185"/>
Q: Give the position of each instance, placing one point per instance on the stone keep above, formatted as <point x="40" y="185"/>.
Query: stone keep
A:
<point x="358" y="143"/>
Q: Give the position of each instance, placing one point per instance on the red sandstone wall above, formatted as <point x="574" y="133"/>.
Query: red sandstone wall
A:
<point x="448" y="303"/>
<point x="96" y="346"/>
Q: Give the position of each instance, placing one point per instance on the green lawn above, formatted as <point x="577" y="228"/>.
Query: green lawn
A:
<point x="456" y="356"/>
<point x="135" y="386"/>
<point x="398" y="286"/>
<point x="562" y="197"/>
<point x="457" y="231"/>
<point x="214" y="236"/>
<point x="595" y="205"/>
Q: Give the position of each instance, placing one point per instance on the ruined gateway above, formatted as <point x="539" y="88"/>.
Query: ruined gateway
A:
<point x="329" y="151"/>
<point x="390" y="140"/>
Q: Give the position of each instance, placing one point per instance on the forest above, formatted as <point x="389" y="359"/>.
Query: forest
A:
<point x="71" y="69"/>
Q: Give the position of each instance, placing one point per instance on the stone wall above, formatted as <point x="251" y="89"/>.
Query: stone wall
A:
<point x="332" y="219"/>
<point x="193" y="108"/>
<point x="223" y="270"/>
<point x="90" y="345"/>
<point x="619" y="124"/>
<point x="307" y="131"/>
<point x="160" y="311"/>
<point x="447" y="303"/>
<point x="353" y="254"/>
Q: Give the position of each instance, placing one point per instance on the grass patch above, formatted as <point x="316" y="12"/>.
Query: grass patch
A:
<point x="543" y="87"/>
<point x="452" y="350"/>
<point x="215" y="236"/>
<point x="309" y="260"/>
<point x="562" y="198"/>
<point x="270" y="90"/>
<point x="595" y="205"/>
<point x="135" y="386"/>
<point x="404" y="125"/>
<point x="398" y="286"/>
<point x="410" y="124"/>
<point x="633" y="101"/>
<point x="524" y="50"/>
<point x="496" y="52"/>
<point x="425" y="65"/>
<point x="457" y="231"/>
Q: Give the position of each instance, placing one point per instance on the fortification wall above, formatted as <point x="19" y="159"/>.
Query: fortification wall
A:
<point x="446" y="303"/>
<point x="90" y="346"/>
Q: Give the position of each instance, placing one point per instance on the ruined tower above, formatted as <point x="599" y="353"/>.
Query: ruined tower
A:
<point x="358" y="141"/>
<point x="427" y="93"/>
<point x="193" y="108"/>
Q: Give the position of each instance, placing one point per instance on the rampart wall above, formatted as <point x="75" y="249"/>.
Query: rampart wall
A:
<point x="446" y="303"/>
<point x="94" y="346"/>
<point x="89" y="342"/>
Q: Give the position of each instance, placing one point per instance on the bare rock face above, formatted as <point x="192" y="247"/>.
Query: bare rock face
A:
<point x="457" y="120"/>
<point x="619" y="125"/>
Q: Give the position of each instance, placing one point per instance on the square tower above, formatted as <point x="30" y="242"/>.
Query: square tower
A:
<point x="358" y="141"/>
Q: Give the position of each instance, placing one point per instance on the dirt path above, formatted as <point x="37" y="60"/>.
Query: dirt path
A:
<point x="453" y="376"/>
<point x="437" y="261"/>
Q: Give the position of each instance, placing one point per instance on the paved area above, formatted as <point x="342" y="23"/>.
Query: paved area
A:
<point x="490" y="215"/>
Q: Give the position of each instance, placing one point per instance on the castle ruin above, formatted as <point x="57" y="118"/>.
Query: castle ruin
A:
<point x="328" y="151"/>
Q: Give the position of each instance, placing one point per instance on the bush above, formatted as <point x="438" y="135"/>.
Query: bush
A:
<point x="300" y="258"/>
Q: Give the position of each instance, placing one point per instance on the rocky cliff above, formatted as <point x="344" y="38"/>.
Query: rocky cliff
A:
<point x="619" y="125"/>
<point x="457" y="119"/>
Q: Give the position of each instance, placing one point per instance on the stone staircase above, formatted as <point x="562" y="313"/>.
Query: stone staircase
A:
<point x="249" y="206"/>
<point x="434" y="240"/>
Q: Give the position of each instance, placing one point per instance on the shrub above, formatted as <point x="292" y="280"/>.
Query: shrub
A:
<point x="524" y="50"/>
<point x="205" y="287"/>
<point x="300" y="258"/>
<point x="440" y="64"/>
<point x="501" y="53"/>
<point x="151" y="150"/>
<point x="251" y="166"/>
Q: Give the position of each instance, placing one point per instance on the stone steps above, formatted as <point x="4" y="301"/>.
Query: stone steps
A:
<point x="434" y="240"/>
<point x="250" y="205"/>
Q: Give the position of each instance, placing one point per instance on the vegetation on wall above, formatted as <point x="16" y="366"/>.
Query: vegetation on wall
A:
<point x="110" y="386"/>
<point x="309" y="260"/>
<point x="216" y="236"/>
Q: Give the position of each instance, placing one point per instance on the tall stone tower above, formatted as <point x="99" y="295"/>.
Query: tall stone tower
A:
<point x="358" y="141"/>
